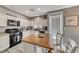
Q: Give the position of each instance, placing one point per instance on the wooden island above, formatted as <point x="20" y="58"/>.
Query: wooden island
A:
<point x="42" y="41"/>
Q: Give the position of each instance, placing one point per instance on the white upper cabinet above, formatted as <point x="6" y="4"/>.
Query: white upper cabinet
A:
<point x="11" y="17"/>
<point x="3" y="19"/>
<point x="22" y="23"/>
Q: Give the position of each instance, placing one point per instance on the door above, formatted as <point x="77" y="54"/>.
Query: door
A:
<point x="55" y="25"/>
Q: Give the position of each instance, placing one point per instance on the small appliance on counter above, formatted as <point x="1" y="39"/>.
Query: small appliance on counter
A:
<point x="41" y="34"/>
<point x="15" y="36"/>
<point x="42" y="31"/>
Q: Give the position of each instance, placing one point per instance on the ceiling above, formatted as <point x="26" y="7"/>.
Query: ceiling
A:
<point x="35" y="10"/>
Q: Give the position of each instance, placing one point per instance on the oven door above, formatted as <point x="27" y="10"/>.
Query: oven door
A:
<point x="15" y="38"/>
<point x="12" y="39"/>
<point x="18" y="36"/>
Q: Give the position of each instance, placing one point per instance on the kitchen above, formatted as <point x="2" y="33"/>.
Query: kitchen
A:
<point x="15" y="26"/>
<point x="11" y="21"/>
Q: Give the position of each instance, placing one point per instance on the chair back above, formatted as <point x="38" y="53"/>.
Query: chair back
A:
<point x="59" y="38"/>
<point x="70" y="46"/>
<point x="76" y="49"/>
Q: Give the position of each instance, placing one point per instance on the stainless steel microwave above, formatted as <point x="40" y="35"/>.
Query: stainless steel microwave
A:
<point x="13" y="23"/>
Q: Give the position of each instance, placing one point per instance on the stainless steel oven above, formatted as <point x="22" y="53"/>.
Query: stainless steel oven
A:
<point x="15" y="36"/>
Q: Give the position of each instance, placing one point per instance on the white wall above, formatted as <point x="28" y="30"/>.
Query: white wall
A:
<point x="72" y="32"/>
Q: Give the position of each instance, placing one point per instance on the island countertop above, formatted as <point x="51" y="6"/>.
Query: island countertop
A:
<point x="40" y="41"/>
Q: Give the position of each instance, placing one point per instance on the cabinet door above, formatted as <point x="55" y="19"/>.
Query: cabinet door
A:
<point x="4" y="42"/>
<point x="39" y="49"/>
<point x="28" y="48"/>
<point x="3" y="19"/>
<point x="11" y="17"/>
<point x="22" y="22"/>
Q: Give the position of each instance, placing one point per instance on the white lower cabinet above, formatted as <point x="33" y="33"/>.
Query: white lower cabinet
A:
<point x="28" y="48"/>
<point x="4" y="42"/>
<point x="39" y="49"/>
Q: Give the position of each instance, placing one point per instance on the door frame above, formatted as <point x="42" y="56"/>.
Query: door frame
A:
<point x="61" y="23"/>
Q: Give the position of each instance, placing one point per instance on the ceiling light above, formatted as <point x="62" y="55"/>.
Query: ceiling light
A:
<point x="38" y="9"/>
<point x="27" y="11"/>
